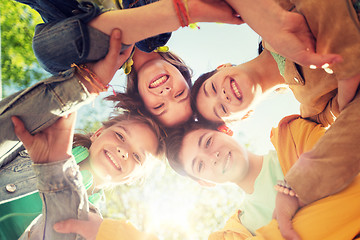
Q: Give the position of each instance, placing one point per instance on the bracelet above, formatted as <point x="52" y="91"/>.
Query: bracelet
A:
<point x="288" y="190"/>
<point x="91" y="77"/>
<point x="182" y="13"/>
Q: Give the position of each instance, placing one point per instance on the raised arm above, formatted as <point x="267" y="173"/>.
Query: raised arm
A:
<point x="139" y="23"/>
<point x="43" y="103"/>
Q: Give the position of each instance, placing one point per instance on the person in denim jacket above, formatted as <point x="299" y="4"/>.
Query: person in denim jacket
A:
<point x="17" y="179"/>
<point x="115" y="154"/>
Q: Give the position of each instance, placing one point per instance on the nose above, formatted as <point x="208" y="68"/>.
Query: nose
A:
<point x="214" y="158"/>
<point x="122" y="153"/>
<point x="225" y="95"/>
<point x="165" y="91"/>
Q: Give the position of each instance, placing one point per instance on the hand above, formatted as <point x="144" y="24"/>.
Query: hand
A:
<point x="87" y="229"/>
<point x="347" y="90"/>
<point x="295" y="41"/>
<point x="106" y="68"/>
<point x="50" y="145"/>
<point x="285" y="208"/>
<point x="286" y="32"/>
<point x="212" y="11"/>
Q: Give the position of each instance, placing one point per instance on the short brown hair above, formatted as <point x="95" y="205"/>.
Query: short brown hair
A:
<point x="174" y="143"/>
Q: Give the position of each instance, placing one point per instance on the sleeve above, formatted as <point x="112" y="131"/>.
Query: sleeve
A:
<point x="294" y="136"/>
<point x="233" y="230"/>
<point x="39" y="106"/>
<point x="333" y="162"/>
<point x="63" y="195"/>
<point x="336" y="27"/>
<point x="58" y="44"/>
<point x="121" y="230"/>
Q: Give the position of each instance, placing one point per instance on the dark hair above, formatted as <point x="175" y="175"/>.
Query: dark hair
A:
<point x="131" y="100"/>
<point x="84" y="139"/>
<point x="260" y="47"/>
<point x="174" y="143"/>
<point x="195" y="90"/>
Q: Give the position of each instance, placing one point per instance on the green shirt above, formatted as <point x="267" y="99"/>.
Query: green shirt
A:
<point x="258" y="207"/>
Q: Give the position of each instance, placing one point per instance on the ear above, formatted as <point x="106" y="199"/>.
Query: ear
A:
<point x="206" y="183"/>
<point x="96" y="134"/>
<point x="223" y="66"/>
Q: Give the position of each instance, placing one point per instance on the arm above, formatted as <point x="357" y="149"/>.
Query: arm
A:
<point x="160" y="17"/>
<point x="42" y="104"/>
<point x="84" y="38"/>
<point x="293" y="38"/>
<point x="58" y="178"/>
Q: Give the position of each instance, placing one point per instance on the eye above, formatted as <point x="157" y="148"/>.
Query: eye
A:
<point x="180" y="93"/>
<point x="137" y="158"/>
<point x="159" y="106"/>
<point x="213" y="87"/>
<point x="208" y="142"/>
<point x="200" y="167"/>
<point x="120" y="136"/>
<point x="223" y="109"/>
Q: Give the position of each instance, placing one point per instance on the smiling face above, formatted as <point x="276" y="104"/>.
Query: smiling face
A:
<point x="213" y="156"/>
<point x="164" y="91"/>
<point x="229" y="91"/>
<point x="117" y="152"/>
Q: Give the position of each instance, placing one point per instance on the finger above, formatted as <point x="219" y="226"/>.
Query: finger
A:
<point x="115" y="45"/>
<point x="315" y="60"/>
<point x="274" y="216"/>
<point x="68" y="122"/>
<point x="73" y="226"/>
<point x="124" y="56"/>
<point x="347" y="90"/>
<point x="21" y="132"/>
<point x="286" y="227"/>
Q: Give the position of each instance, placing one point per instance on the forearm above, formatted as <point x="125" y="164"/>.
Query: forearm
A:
<point x="64" y="196"/>
<point x="139" y="23"/>
<point x="263" y="16"/>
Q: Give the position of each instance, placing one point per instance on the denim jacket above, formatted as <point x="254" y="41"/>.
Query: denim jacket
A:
<point x="64" y="37"/>
<point x="60" y="188"/>
<point x="17" y="178"/>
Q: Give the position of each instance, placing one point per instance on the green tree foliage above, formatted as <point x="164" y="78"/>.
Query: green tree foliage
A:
<point x="18" y="63"/>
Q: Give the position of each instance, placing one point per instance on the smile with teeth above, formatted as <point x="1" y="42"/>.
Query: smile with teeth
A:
<point x="113" y="160"/>
<point x="227" y="162"/>
<point x="158" y="81"/>
<point x="235" y="90"/>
